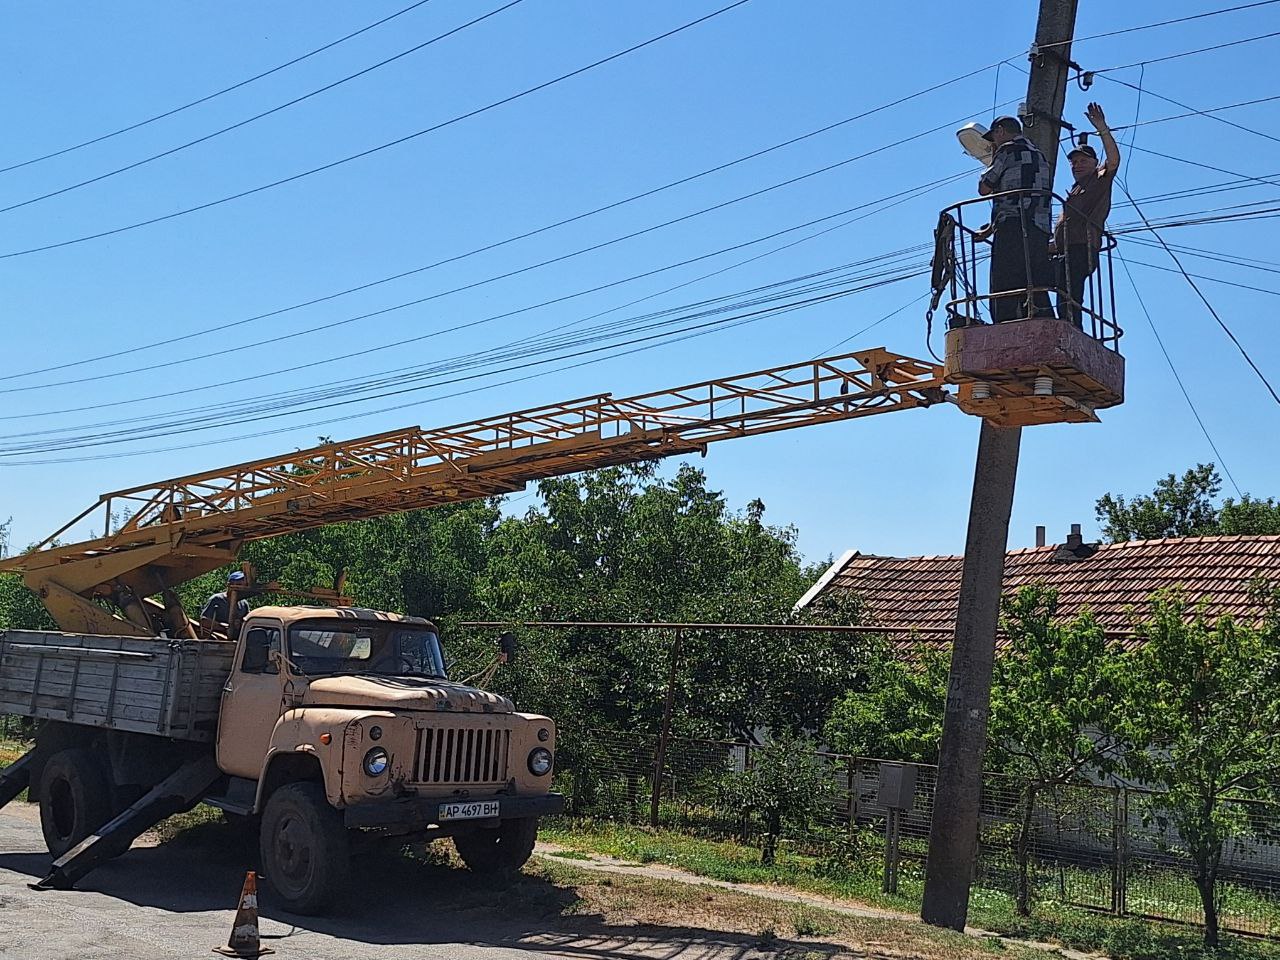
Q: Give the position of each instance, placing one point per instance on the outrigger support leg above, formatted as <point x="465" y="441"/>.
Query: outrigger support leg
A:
<point x="16" y="777"/>
<point x="179" y="791"/>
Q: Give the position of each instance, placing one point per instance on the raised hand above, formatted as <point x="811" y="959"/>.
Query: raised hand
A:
<point x="1096" y="116"/>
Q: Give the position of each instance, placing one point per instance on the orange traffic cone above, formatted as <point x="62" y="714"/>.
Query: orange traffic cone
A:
<point x="245" y="942"/>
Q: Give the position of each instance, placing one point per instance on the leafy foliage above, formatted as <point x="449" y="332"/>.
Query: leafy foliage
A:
<point x="786" y="788"/>
<point x="1186" y="507"/>
<point x="898" y="716"/>
<point x="1201" y="715"/>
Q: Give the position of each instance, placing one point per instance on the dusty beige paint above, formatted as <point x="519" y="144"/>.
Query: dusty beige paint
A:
<point x="266" y="716"/>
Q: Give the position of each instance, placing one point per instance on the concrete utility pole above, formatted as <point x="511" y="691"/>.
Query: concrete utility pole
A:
<point x="953" y="836"/>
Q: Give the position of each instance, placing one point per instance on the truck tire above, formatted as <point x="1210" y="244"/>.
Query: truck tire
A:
<point x="75" y="799"/>
<point x="501" y="851"/>
<point x="304" y="848"/>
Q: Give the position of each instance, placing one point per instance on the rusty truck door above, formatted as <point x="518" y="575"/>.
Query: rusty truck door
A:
<point x="251" y="700"/>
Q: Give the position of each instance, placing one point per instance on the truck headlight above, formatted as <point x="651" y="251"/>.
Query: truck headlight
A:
<point x="376" y="762"/>
<point x="540" y="761"/>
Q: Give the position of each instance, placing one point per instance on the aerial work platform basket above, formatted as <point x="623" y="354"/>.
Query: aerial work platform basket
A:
<point x="1038" y="367"/>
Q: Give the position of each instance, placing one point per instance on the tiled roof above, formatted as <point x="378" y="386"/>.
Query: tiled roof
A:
<point x="921" y="592"/>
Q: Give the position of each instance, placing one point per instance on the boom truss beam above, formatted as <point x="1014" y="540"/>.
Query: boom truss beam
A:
<point x="183" y="527"/>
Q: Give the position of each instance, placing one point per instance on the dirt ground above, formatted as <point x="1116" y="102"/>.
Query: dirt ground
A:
<point x="176" y="899"/>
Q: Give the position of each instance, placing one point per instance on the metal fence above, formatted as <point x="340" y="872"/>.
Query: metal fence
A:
<point x="1104" y="848"/>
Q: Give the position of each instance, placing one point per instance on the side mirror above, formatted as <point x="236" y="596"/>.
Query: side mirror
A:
<point x="507" y="647"/>
<point x="257" y="650"/>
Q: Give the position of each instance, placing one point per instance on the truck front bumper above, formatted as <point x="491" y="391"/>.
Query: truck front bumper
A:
<point x="422" y="812"/>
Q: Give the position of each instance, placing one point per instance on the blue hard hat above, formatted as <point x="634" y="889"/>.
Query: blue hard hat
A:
<point x="235" y="576"/>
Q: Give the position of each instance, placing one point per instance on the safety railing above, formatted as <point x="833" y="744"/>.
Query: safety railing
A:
<point x="960" y="249"/>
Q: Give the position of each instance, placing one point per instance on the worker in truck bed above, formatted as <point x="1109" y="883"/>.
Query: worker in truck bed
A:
<point x="1077" y="238"/>
<point x="217" y="609"/>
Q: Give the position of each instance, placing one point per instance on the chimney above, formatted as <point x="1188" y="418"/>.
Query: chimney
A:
<point x="1040" y="536"/>
<point x="1075" y="548"/>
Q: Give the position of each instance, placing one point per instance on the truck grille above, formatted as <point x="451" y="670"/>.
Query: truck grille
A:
<point x="462" y="755"/>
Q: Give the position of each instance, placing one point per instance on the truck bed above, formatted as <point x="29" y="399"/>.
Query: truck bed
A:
<point x="171" y="688"/>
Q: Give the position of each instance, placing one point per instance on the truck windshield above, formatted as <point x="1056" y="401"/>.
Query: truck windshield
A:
<point x="383" y="649"/>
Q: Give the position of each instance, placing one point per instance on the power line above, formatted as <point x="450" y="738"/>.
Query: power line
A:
<point x="791" y="287"/>
<point x="884" y="259"/>
<point x="1187" y="53"/>
<point x="1201" y="276"/>
<point x="130" y="436"/>
<point x="1208" y="166"/>
<point x="1165" y="23"/>
<point x="1176" y="376"/>
<point x="1194" y="286"/>
<point x="223" y="327"/>
<point x="216" y="93"/>
<point x="328" y="423"/>
<point x="384" y="146"/>
<point x="266" y="113"/>
<point x="1209" y="114"/>
<point x="505" y="275"/>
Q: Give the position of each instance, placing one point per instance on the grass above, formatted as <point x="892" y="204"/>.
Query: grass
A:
<point x="1122" y="938"/>
<point x="11" y="750"/>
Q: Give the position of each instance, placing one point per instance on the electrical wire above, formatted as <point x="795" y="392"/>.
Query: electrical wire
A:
<point x="1194" y="286"/>
<point x="266" y="113"/>
<point x="735" y="320"/>
<point x="379" y="148"/>
<point x="885" y="261"/>
<point x="893" y="200"/>
<point x="1186" y="53"/>
<point x="1200" y="276"/>
<point x="329" y="422"/>
<point x="1196" y="113"/>
<point x="1208" y="166"/>
<point x="796" y="286"/>
<point x="1211" y="115"/>
<point x="1163" y="23"/>
<point x="216" y="93"/>
<point x="149" y="368"/>
<point x="1176" y="376"/>
<point x="221" y="328"/>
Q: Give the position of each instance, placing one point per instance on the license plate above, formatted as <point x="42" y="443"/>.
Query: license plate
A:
<point x="482" y="810"/>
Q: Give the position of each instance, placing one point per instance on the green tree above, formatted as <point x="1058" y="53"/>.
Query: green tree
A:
<point x="1053" y="691"/>
<point x="627" y="544"/>
<point x="898" y="713"/>
<point x="1186" y="507"/>
<point x="1249" y="516"/>
<point x="20" y="609"/>
<point x="1201" y="717"/>
<point x="787" y="788"/>
<point x="1178" y="507"/>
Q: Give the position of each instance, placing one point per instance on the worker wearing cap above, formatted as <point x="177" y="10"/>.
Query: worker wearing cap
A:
<point x="1077" y="238"/>
<point x="1020" y="222"/>
<point x="217" y="609"/>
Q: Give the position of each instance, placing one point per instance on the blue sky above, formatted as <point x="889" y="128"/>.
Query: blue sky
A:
<point x="752" y="77"/>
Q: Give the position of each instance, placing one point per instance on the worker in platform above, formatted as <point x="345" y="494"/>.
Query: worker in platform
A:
<point x="1020" y="222"/>
<point x="217" y="609"/>
<point x="1077" y="238"/>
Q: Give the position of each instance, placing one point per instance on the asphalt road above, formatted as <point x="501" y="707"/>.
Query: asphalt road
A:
<point x="177" y="900"/>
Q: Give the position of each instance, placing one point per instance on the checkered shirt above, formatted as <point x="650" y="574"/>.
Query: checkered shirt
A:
<point x="1019" y="165"/>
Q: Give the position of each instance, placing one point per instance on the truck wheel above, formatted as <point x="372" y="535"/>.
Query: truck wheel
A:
<point x="501" y="851"/>
<point x="75" y="799"/>
<point x="304" y="847"/>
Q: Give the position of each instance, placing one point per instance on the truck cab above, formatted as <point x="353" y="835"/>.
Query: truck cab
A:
<point x="342" y="719"/>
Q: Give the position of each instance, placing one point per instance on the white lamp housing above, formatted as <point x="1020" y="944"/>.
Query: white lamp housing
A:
<point x="971" y="141"/>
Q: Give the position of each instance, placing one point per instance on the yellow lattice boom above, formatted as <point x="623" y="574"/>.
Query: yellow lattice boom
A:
<point x="190" y="525"/>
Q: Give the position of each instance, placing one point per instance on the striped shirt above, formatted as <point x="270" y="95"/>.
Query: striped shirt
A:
<point x="1019" y="165"/>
